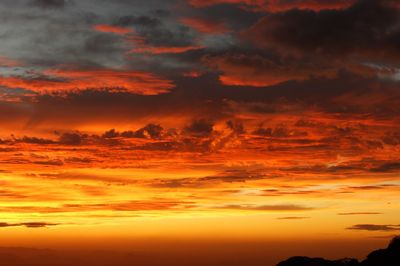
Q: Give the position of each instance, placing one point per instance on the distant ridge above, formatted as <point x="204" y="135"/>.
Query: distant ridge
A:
<point x="381" y="257"/>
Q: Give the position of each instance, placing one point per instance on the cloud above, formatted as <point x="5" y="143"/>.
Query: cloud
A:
<point x="375" y="227"/>
<point x="50" y="3"/>
<point x="205" y="26"/>
<point x="230" y="176"/>
<point x="122" y="206"/>
<point x="200" y="128"/>
<point x="28" y="224"/>
<point x="142" y="21"/>
<point x="278" y="56"/>
<point x="278" y="6"/>
<point x="157" y="37"/>
<point x="282" y="207"/>
<point x="346" y="36"/>
<point x="49" y="162"/>
<point x="240" y="69"/>
<point x="293" y="218"/>
<point x="236" y="126"/>
<point x="278" y="132"/>
<point x="151" y="36"/>
<point x="156" y="50"/>
<point x="292" y="118"/>
<point x="152" y="131"/>
<point x="71" y="138"/>
<point x="112" y="29"/>
<point x="64" y="81"/>
<point x="8" y="62"/>
<point x="359" y="213"/>
<point x="387" y="167"/>
<point x="392" y="138"/>
<point x="35" y="140"/>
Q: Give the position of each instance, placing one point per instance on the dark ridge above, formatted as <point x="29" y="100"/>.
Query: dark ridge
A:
<point x="381" y="257"/>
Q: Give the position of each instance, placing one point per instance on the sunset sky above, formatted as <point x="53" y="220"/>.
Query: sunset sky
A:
<point x="199" y="120"/>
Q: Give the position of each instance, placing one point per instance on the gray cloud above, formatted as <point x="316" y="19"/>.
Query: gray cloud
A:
<point x="50" y="3"/>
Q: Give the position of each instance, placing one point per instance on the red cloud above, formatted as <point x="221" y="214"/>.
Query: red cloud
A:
<point x="165" y="49"/>
<point x="193" y="74"/>
<point x="142" y="47"/>
<point x="112" y="29"/>
<point x="8" y="62"/>
<point x="205" y="26"/>
<point x="73" y="80"/>
<point x="254" y="70"/>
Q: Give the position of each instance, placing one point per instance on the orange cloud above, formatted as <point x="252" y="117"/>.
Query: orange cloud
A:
<point x="60" y="81"/>
<point x="112" y="29"/>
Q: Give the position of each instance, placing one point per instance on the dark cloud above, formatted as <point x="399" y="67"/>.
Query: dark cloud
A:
<point x="233" y="16"/>
<point x="279" y="132"/>
<point x="101" y="44"/>
<point x="124" y="206"/>
<point x="209" y="99"/>
<point x="110" y="134"/>
<point x="232" y="176"/>
<point x="35" y="140"/>
<point x="152" y="131"/>
<point x="392" y="138"/>
<point x="387" y="167"/>
<point x="236" y="126"/>
<point x="302" y="44"/>
<point x="143" y="21"/>
<point x="85" y="160"/>
<point x="368" y="27"/>
<point x="157" y="33"/>
<point x="258" y="69"/>
<point x="201" y="127"/>
<point x="71" y="138"/>
<point x="271" y="6"/>
<point x="293" y="218"/>
<point x="50" y="3"/>
<point x="49" y="162"/>
<point x="28" y="224"/>
<point x="375" y="227"/>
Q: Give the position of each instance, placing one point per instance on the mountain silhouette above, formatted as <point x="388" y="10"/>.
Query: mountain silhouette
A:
<point x="381" y="257"/>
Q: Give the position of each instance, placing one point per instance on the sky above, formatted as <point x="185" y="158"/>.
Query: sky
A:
<point x="254" y="121"/>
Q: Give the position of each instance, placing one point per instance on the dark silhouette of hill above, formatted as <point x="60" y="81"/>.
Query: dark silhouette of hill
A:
<point x="385" y="257"/>
<point x="389" y="256"/>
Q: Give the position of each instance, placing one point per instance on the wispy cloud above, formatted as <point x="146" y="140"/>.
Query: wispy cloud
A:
<point x="375" y="227"/>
